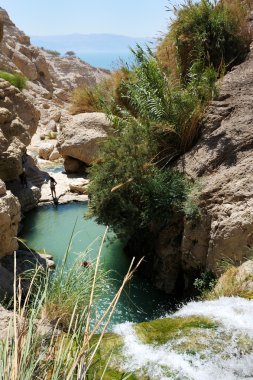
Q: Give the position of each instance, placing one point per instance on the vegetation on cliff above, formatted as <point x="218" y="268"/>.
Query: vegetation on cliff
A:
<point x="155" y="107"/>
<point x="214" y="33"/>
<point x="17" y="80"/>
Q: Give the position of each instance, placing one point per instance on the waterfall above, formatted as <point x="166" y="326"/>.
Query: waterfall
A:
<point x="225" y="352"/>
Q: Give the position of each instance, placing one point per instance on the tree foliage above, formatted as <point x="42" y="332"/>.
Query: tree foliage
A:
<point x="128" y="191"/>
<point x="70" y="53"/>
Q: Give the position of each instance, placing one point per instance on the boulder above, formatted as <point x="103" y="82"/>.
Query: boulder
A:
<point x="6" y="320"/>
<point x="79" y="185"/>
<point x="46" y="148"/>
<point x="56" y="116"/>
<point x="25" y="260"/>
<point x="55" y="155"/>
<point x="81" y="134"/>
<point x="42" y="68"/>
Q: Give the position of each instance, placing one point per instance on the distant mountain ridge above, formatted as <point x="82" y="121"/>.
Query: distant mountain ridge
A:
<point x="88" y="43"/>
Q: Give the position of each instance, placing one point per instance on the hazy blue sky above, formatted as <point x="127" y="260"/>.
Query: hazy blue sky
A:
<point x="127" y="17"/>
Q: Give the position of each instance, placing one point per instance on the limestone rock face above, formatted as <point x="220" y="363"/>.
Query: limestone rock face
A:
<point x="25" y="65"/>
<point x="222" y="164"/>
<point x="50" y="76"/>
<point x="9" y="220"/>
<point x="81" y="134"/>
<point x="18" y="122"/>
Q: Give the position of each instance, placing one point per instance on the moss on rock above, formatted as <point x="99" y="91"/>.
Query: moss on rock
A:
<point x="162" y="330"/>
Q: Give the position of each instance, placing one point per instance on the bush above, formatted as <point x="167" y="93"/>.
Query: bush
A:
<point x="216" y="33"/>
<point x="127" y="190"/>
<point x="105" y="95"/>
<point x="206" y="282"/>
<point x="172" y="107"/>
<point x="85" y="99"/>
<point x="70" y="53"/>
<point x="16" y="80"/>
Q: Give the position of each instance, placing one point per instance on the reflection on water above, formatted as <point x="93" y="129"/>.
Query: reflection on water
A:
<point x="50" y="228"/>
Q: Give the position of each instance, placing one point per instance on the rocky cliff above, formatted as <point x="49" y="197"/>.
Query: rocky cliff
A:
<point x="221" y="163"/>
<point x="40" y="105"/>
<point x="50" y="78"/>
<point x="18" y="122"/>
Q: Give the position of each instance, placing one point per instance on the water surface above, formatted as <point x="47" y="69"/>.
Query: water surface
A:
<point x="50" y="228"/>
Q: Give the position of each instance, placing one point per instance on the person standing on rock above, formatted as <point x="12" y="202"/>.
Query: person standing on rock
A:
<point x="52" y="186"/>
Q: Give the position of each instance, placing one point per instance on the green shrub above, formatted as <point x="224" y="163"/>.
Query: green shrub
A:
<point x="214" y="32"/>
<point x="70" y="53"/>
<point x="173" y="108"/>
<point x="206" y="282"/>
<point x="16" y="80"/>
<point x="127" y="191"/>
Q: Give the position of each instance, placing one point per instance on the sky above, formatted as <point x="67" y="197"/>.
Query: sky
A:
<point x="138" y="18"/>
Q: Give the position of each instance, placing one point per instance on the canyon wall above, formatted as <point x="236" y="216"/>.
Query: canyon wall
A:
<point x="220" y="227"/>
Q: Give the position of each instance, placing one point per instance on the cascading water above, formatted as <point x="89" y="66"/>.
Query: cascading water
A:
<point x="223" y="352"/>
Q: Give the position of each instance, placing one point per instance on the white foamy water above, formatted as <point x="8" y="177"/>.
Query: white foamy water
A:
<point x="227" y="352"/>
<point x="232" y="312"/>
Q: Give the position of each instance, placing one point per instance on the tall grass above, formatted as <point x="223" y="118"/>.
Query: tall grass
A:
<point x="64" y="302"/>
<point x="102" y="96"/>
<point x="230" y="284"/>
<point x="16" y="79"/>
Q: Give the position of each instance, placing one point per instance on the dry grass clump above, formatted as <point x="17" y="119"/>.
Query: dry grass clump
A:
<point x="85" y="99"/>
<point x="234" y="282"/>
<point x="99" y="97"/>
